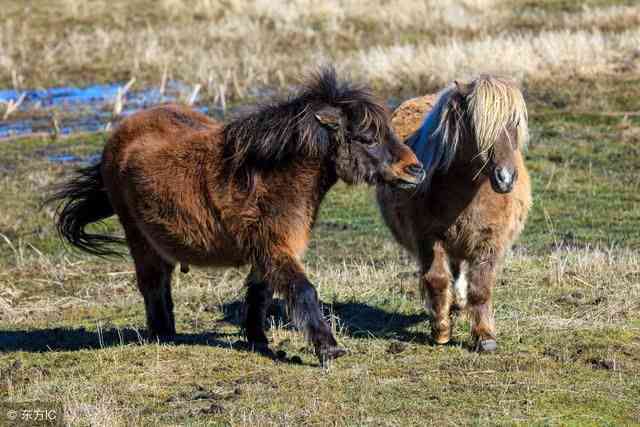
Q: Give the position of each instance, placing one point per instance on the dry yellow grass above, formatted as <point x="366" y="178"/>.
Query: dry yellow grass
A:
<point x="548" y="55"/>
<point x="241" y="46"/>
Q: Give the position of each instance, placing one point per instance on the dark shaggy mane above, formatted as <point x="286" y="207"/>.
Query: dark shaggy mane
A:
<point x="275" y="132"/>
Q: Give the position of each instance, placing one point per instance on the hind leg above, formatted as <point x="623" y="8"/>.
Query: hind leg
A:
<point x="483" y="330"/>
<point x="153" y="275"/>
<point x="436" y="291"/>
<point x="154" y="282"/>
<point x="257" y="301"/>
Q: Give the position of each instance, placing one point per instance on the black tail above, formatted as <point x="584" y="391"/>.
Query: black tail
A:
<point x="82" y="201"/>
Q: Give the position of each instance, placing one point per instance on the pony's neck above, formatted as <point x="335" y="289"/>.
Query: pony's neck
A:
<point x="274" y="137"/>
<point x="429" y="144"/>
<point x="327" y="178"/>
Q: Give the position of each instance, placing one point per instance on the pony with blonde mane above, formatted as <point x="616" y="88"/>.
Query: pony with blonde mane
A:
<point x="473" y="203"/>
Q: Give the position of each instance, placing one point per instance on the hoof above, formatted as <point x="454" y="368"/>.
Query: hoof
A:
<point x="441" y="340"/>
<point x="161" y="331"/>
<point x="327" y="354"/>
<point x="486" y="346"/>
<point x="440" y="333"/>
<point x="260" y="347"/>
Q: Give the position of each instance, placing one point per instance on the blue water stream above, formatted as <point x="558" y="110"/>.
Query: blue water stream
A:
<point x="86" y="109"/>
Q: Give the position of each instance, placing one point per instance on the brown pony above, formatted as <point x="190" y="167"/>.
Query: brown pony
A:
<point x="473" y="203"/>
<point x="190" y="190"/>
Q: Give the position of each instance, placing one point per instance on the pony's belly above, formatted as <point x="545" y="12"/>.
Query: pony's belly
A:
<point x="400" y="214"/>
<point x="193" y="246"/>
<point x="203" y="257"/>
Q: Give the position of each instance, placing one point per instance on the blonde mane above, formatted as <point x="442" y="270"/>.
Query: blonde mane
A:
<point x="494" y="104"/>
<point x="482" y="108"/>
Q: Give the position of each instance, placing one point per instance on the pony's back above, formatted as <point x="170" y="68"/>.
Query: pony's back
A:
<point x="408" y="117"/>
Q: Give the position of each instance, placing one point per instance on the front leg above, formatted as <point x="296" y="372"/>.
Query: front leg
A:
<point x="436" y="290"/>
<point x="482" y="275"/>
<point x="287" y="277"/>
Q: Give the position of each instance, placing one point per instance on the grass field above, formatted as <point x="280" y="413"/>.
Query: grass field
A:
<point x="567" y="304"/>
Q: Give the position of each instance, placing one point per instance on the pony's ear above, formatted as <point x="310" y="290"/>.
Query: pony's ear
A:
<point x="463" y="88"/>
<point x="330" y="117"/>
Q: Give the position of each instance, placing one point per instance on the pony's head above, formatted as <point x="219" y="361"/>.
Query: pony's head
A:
<point x="331" y="120"/>
<point x="476" y="127"/>
<point x="366" y="148"/>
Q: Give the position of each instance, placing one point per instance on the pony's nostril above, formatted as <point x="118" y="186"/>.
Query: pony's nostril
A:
<point x="503" y="175"/>
<point x="414" y="169"/>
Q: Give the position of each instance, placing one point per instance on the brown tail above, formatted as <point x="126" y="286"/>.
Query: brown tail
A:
<point x="82" y="201"/>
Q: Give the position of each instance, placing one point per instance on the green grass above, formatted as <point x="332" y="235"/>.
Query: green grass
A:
<point x="566" y="305"/>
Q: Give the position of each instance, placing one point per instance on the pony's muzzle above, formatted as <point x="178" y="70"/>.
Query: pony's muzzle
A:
<point x="503" y="179"/>
<point x="412" y="175"/>
<point x="415" y="170"/>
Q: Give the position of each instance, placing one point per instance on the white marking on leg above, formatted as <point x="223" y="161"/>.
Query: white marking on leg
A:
<point x="461" y="286"/>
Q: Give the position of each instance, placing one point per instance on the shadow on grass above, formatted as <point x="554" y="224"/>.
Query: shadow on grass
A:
<point x="364" y="321"/>
<point x="61" y="339"/>
<point x="357" y="319"/>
